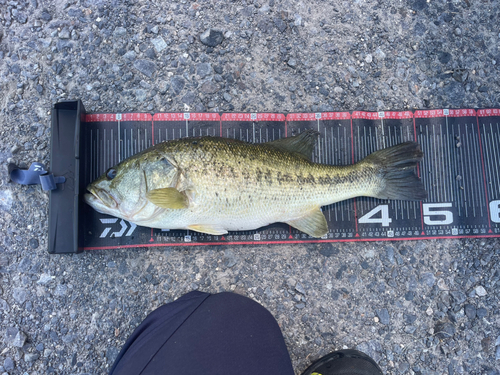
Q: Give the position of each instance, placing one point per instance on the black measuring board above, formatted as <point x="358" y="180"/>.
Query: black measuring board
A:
<point x="460" y="172"/>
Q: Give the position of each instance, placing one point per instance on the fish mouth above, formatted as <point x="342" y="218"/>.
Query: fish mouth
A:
<point x="100" y="199"/>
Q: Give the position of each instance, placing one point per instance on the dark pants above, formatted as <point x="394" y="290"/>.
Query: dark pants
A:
<point x="202" y="333"/>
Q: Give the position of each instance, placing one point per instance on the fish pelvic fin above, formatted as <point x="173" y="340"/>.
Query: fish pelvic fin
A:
<point x="302" y="144"/>
<point x="396" y="166"/>
<point x="168" y="198"/>
<point x="214" y="230"/>
<point x="313" y="223"/>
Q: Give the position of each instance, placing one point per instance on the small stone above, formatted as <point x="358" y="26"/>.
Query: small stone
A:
<point x="409" y="296"/>
<point x="150" y="53"/>
<point x="61" y="290"/>
<point x="159" y="44"/>
<point x="470" y="311"/>
<point x="64" y="34"/>
<point x="481" y="312"/>
<point x="338" y="90"/>
<point x="442" y="285"/>
<point x="189" y="98"/>
<point x="280" y="24"/>
<point x="20" y="295"/>
<point x="299" y="288"/>
<point x="264" y="8"/>
<point x="24" y="265"/>
<point x="297" y="20"/>
<point x="480" y="291"/>
<point x="15" y="337"/>
<point x="8" y="364"/>
<point x="111" y="354"/>
<point x="176" y="85"/>
<point x="20" y="17"/>
<point x="383" y="315"/>
<point x="155" y="29"/>
<point x="119" y="32"/>
<point x="209" y="87"/>
<point x="458" y="31"/>
<point x="300" y="305"/>
<point x="410" y="318"/>
<point x="458" y="296"/>
<point x="497" y="353"/>
<point x="379" y="54"/>
<point x="146" y="67"/>
<point x="212" y="37"/>
<point x="130" y="55"/>
<point x="444" y="330"/>
<point x="140" y="95"/>
<point x="203" y="69"/>
<point x="31" y="357"/>
<point x="292" y="62"/>
<point x="44" y="279"/>
<point x="291" y="282"/>
<point x="10" y="334"/>
<point x="46" y="15"/>
<point x="227" y="97"/>
<point x="368" y="58"/>
<point x="444" y="57"/>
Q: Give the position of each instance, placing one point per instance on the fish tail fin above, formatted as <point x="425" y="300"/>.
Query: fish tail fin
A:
<point x="396" y="167"/>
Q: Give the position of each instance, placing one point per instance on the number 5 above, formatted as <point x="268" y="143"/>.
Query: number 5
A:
<point x="429" y="211"/>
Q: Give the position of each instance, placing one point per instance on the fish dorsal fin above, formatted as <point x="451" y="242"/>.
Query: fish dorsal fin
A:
<point x="168" y="198"/>
<point x="212" y="229"/>
<point x="302" y="144"/>
<point x="313" y="223"/>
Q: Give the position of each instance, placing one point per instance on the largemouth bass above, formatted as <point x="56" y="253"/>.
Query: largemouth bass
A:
<point x="215" y="185"/>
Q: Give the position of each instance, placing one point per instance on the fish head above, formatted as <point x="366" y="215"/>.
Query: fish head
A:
<point x="121" y="190"/>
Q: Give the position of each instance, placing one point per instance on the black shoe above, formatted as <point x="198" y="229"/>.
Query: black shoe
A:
<point x="344" y="362"/>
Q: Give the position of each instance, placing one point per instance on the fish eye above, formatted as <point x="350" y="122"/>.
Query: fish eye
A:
<point x="111" y="173"/>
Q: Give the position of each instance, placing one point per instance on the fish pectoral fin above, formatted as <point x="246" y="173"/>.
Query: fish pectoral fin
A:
<point x="214" y="230"/>
<point x="302" y="145"/>
<point x="313" y="223"/>
<point x="168" y="198"/>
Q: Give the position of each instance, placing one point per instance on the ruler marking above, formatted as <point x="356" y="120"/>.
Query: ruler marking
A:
<point x="471" y="184"/>
<point x="479" y="166"/>
<point x="495" y="158"/>
<point x="488" y="152"/>
<point x="477" y="163"/>
<point x="425" y="176"/>
<point x="458" y="185"/>
<point x="464" y="192"/>
<point x="448" y="158"/>
<point x="98" y="149"/>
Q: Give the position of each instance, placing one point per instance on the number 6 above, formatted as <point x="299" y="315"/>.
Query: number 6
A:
<point x="495" y="211"/>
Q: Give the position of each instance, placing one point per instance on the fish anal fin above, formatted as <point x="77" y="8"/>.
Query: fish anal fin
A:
<point x="313" y="223"/>
<point x="168" y="198"/>
<point x="302" y="144"/>
<point x="208" y="229"/>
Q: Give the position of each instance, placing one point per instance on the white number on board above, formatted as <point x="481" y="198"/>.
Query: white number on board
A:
<point x="431" y="210"/>
<point x="384" y="218"/>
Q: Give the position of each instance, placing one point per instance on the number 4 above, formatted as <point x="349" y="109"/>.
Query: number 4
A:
<point x="384" y="218"/>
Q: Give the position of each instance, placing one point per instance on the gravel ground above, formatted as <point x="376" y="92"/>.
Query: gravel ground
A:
<point x="426" y="307"/>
